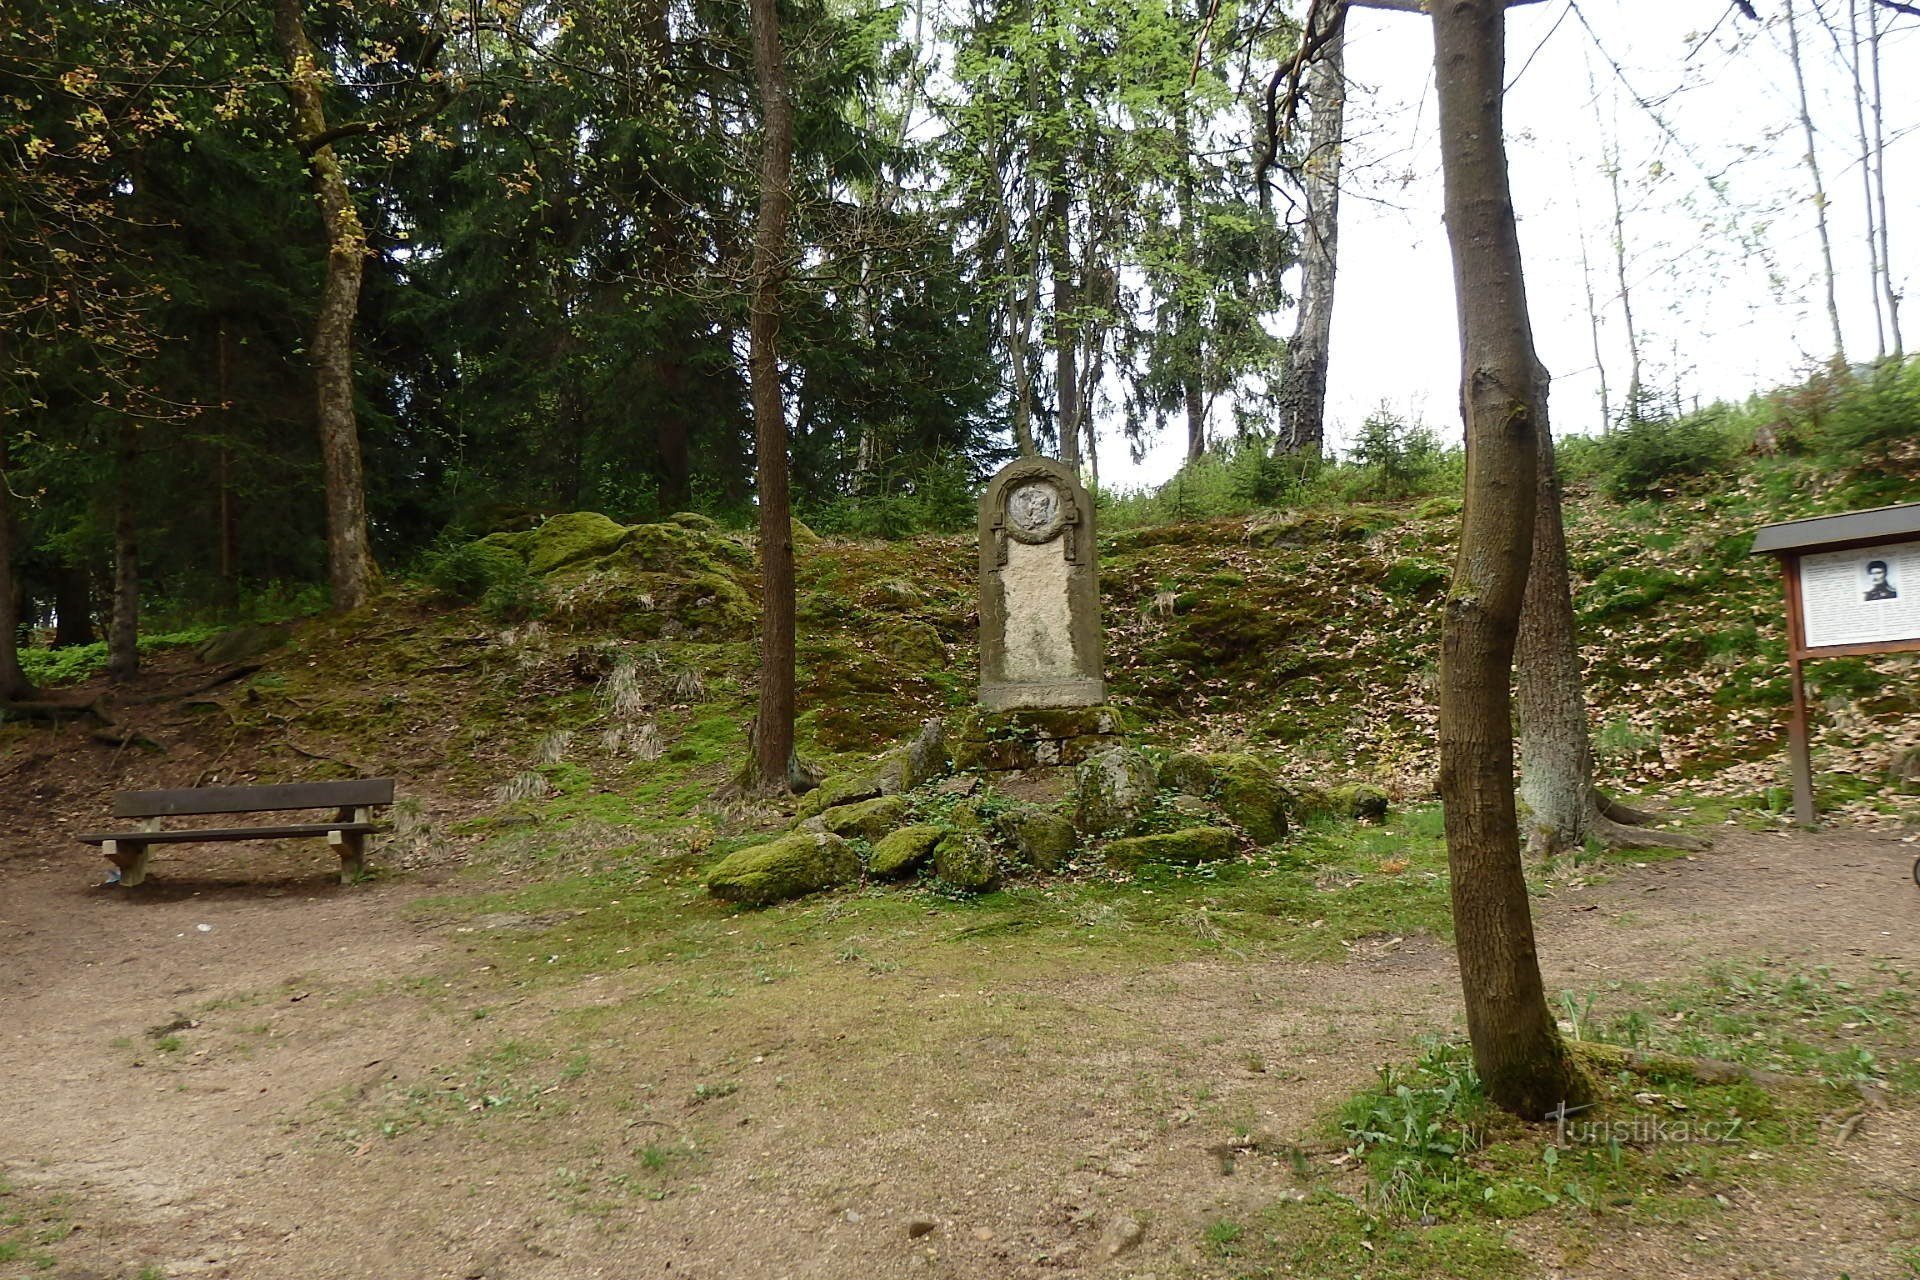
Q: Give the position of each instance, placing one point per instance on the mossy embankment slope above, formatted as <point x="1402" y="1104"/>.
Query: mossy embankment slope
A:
<point x="596" y="1038"/>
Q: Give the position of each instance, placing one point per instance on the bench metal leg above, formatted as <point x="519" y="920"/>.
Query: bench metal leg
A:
<point x="131" y="857"/>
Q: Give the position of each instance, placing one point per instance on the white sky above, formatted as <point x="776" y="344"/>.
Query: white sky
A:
<point x="1715" y="320"/>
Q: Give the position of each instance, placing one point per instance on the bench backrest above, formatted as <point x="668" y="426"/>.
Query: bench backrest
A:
<point x="291" y="795"/>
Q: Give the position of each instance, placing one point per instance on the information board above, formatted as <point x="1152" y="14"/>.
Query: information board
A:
<point x="1865" y="596"/>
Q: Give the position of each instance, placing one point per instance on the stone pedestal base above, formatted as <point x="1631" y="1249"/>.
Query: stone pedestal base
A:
<point x="998" y="741"/>
<point x="1076" y="691"/>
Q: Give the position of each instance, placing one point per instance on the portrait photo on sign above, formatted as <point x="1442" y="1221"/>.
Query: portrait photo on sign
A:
<point x="1878" y="575"/>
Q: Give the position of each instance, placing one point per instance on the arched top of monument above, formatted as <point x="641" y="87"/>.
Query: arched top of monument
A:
<point x="1033" y="499"/>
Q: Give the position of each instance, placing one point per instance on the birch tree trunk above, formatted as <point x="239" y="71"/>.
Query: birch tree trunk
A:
<point x="1880" y="181"/>
<point x="774" y="766"/>
<point x="1819" y="188"/>
<point x="349" y="556"/>
<point x="1516" y="1049"/>
<point x="1303" y="382"/>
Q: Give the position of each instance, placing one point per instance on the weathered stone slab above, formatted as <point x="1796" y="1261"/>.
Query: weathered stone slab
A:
<point x="1040" y="637"/>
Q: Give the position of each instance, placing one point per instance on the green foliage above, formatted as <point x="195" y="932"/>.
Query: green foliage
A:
<point x="84" y="661"/>
<point x="1402" y="460"/>
<point x="941" y="498"/>
<point x="484" y="574"/>
<point x="1645" y="457"/>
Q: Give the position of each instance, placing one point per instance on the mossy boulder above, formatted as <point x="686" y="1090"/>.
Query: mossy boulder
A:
<point x="913" y="643"/>
<point x="515" y="546"/>
<point x="924" y="758"/>
<point x="1251" y="797"/>
<point x="836" y="790"/>
<point x="965" y="861"/>
<point x="900" y="853"/>
<point x="695" y="521"/>
<point x="803" y="536"/>
<point x="572" y="537"/>
<point x="867" y="820"/>
<point x="1112" y="790"/>
<point x="1188" y="773"/>
<point x="240" y="644"/>
<point x="1187" y="848"/>
<point x="921" y="759"/>
<point x="712" y="606"/>
<point x="1363" y="800"/>
<point x="790" y="867"/>
<point x="1041" y="840"/>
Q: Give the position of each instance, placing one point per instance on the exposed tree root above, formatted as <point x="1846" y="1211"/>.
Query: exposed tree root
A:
<point x="1623" y="813"/>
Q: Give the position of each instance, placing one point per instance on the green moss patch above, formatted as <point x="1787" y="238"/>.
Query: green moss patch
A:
<point x="787" y="868"/>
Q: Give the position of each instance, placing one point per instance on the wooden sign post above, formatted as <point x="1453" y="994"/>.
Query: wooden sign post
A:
<point x="1853" y="587"/>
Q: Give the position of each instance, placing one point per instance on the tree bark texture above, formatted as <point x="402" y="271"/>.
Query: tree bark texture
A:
<point x="226" y="526"/>
<point x="1303" y="381"/>
<point x="72" y="605"/>
<point x="13" y="681"/>
<point x="1066" y="335"/>
<point x="774" y="766"/>
<point x="1192" y="336"/>
<point x="1522" y="1063"/>
<point x="1819" y="188"/>
<point x="349" y="555"/>
<point x="123" y="633"/>
<point x="1563" y="807"/>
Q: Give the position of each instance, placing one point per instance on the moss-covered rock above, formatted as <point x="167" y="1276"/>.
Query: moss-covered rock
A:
<point x="712" y="606"/>
<point x="902" y="852"/>
<point x="1362" y="800"/>
<point x="1112" y="790"/>
<point x="1177" y="848"/>
<point x="1041" y="840"/>
<point x="790" y="867"/>
<point x="695" y="521"/>
<point x="921" y="759"/>
<point x="803" y="536"/>
<point x="1188" y="773"/>
<point x="836" y="790"/>
<point x="924" y="758"/>
<point x="966" y="862"/>
<point x="516" y="545"/>
<point x="867" y="820"/>
<point x="572" y="537"/>
<point x="913" y="643"/>
<point x="1251" y="797"/>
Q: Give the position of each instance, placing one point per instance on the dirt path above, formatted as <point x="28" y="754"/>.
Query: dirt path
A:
<point x="1028" y="1124"/>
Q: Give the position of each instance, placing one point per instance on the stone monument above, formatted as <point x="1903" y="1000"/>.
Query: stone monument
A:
<point x="1040" y="642"/>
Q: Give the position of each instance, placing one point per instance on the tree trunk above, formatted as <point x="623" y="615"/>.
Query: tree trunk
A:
<point x="13" y="681"/>
<point x="72" y="605"/>
<point x="1066" y="336"/>
<point x="123" y="634"/>
<point x="1516" y="1049"/>
<point x="1564" y="809"/>
<point x="1303" y="381"/>
<point x="774" y="765"/>
<point x="1880" y="181"/>
<point x="349" y="558"/>
<point x="1636" y="395"/>
<point x="1192" y="338"/>
<point x="226" y="530"/>
<point x="1819" y="188"/>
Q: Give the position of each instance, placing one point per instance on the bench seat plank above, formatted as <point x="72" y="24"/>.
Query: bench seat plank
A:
<point x="234" y="833"/>
<point x="356" y="793"/>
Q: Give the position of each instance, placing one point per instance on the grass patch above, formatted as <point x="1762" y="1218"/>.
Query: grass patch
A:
<point x="1442" y="1169"/>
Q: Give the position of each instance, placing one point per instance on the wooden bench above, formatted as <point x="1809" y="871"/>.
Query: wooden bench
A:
<point x="353" y="802"/>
